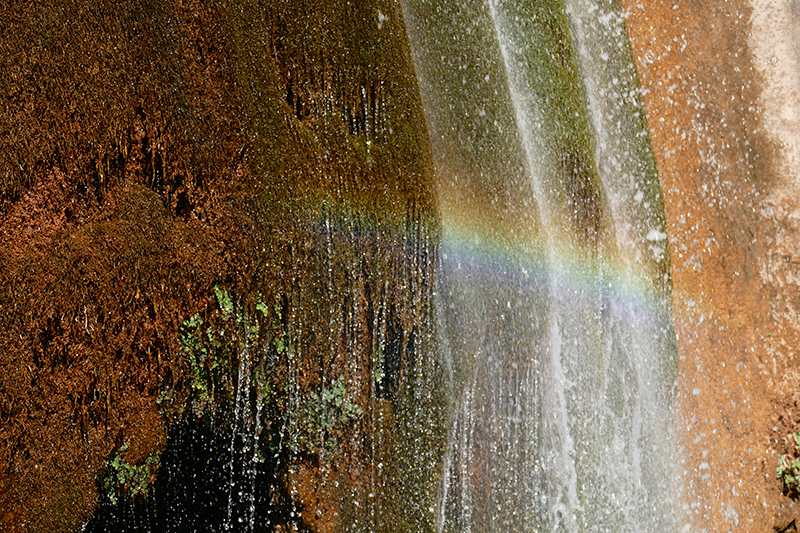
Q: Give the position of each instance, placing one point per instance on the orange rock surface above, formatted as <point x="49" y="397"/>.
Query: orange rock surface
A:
<point x="718" y="168"/>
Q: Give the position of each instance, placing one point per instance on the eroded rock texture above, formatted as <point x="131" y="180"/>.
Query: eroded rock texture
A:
<point x="151" y="151"/>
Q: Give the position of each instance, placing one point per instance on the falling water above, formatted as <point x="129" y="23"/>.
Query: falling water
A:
<point x="554" y="293"/>
<point x="548" y="361"/>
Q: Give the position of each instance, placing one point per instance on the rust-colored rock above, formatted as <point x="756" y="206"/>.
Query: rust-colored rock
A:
<point x="720" y="168"/>
<point x="149" y="151"/>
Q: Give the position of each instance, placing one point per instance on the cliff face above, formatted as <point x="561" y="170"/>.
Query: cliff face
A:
<point x="719" y="109"/>
<point x="152" y="151"/>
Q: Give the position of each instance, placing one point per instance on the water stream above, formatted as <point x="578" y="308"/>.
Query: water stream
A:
<point x="516" y="376"/>
<point x="555" y="283"/>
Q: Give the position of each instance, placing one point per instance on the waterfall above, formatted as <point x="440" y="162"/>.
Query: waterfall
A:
<point x="554" y="291"/>
<point x="512" y="373"/>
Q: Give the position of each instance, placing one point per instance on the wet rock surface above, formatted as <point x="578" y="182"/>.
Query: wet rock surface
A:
<point x="731" y="230"/>
<point x="154" y="151"/>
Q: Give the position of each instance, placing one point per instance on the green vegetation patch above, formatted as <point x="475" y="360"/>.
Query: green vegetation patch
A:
<point x="123" y="478"/>
<point x="319" y="416"/>
<point x="788" y="470"/>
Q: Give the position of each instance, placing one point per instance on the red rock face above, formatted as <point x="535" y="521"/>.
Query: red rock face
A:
<point x="719" y="167"/>
<point x="150" y="152"/>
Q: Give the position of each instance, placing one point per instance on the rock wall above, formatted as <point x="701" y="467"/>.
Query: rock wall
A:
<point x="716" y="104"/>
<point x="151" y="151"/>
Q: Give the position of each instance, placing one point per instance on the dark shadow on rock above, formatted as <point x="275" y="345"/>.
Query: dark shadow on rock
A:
<point x="198" y="490"/>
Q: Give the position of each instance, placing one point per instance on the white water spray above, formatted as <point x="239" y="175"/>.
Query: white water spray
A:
<point x="555" y="301"/>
